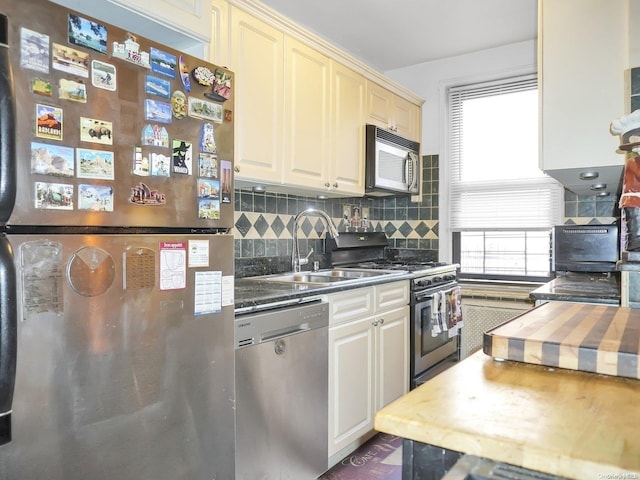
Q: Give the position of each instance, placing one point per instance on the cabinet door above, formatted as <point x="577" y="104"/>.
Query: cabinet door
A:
<point x="392" y="357"/>
<point x="573" y="66"/>
<point x="406" y="118"/>
<point x="351" y="382"/>
<point x="346" y="174"/>
<point x="306" y="131"/>
<point x="193" y="17"/>
<point x="379" y="106"/>
<point x="392" y="112"/>
<point x="257" y="60"/>
<point x="219" y="46"/>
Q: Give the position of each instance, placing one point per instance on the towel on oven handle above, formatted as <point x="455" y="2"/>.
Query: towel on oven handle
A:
<point x="436" y="328"/>
<point x="454" y="311"/>
<point x="443" y="311"/>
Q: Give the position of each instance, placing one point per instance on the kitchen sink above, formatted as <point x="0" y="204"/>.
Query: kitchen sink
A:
<point x="325" y="277"/>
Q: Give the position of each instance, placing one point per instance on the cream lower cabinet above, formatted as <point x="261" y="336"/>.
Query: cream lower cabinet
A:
<point x="368" y="360"/>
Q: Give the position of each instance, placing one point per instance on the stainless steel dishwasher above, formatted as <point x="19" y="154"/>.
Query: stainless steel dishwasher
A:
<point x="282" y="377"/>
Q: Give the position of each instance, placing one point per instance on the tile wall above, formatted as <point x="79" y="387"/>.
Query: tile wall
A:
<point x="581" y="210"/>
<point x="263" y="221"/>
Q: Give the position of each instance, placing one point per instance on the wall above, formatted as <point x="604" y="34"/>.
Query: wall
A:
<point x="430" y="79"/>
<point x="263" y="220"/>
<point x="263" y="223"/>
<point x="263" y="238"/>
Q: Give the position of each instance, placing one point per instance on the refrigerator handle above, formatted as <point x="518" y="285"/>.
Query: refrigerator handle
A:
<point x="8" y="337"/>
<point x="7" y="127"/>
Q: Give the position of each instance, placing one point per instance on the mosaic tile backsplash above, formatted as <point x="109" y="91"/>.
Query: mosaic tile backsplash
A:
<point x="263" y="221"/>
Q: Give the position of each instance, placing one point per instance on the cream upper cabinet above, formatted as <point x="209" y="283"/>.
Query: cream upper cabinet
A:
<point x="583" y="54"/>
<point x="390" y="111"/>
<point x="184" y="25"/>
<point x="257" y="60"/>
<point x="192" y="16"/>
<point x="290" y="102"/>
<point x="346" y="166"/>
<point x="300" y="113"/>
<point x="306" y="111"/>
<point x="219" y="45"/>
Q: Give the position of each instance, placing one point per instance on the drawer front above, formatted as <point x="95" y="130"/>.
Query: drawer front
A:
<point x="350" y="305"/>
<point x="391" y="295"/>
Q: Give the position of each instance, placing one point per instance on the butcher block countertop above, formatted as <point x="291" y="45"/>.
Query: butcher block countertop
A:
<point x="563" y="422"/>
<point x="578" y="336"/>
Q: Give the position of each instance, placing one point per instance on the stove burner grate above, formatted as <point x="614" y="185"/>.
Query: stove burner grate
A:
<point x="408" y="265"/>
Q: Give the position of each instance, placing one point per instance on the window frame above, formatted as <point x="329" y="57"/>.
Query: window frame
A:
<point x="502" y="84"/>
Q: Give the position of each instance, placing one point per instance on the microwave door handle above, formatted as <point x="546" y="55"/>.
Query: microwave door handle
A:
<point x="414" y="161"/>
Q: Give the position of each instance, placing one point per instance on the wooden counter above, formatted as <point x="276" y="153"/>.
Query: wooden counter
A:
<point x="563" y="422"/>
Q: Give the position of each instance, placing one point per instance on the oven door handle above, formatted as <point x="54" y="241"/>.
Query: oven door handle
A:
<point x="422" y="297"/>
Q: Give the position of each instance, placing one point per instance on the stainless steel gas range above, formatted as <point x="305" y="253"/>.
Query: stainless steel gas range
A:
<point x="436" y="313"/>
<point x="436" y="321"/>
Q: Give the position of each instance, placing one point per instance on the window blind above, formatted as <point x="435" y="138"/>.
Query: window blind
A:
<point x="528" y="200"/>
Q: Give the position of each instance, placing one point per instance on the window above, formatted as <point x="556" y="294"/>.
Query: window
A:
<point x="501" y="205"/>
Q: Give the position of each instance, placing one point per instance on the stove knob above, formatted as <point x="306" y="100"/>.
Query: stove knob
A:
<point x="448" y="278"/>
<point x="423" y="283"/>
<point x="437" y="279"/>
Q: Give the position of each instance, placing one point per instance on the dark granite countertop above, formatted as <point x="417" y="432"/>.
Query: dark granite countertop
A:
<point x="253" y="295"/>
<point x="581" y="287"/>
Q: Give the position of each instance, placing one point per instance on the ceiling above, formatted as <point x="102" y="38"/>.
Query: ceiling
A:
<point x="390" y="34"/>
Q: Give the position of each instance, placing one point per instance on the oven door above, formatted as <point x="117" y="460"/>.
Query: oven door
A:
<point x="429" y="350"/>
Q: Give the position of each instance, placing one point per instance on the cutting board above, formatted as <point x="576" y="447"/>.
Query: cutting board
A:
<point x="578" y="336"/>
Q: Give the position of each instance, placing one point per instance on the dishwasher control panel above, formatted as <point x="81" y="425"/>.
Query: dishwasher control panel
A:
<point x="270" y="325"/>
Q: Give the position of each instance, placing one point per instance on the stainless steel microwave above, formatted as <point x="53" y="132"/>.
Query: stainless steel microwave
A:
<point x="392" y="163"/>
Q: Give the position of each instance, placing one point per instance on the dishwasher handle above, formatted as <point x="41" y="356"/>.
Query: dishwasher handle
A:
<point x="270" y="325"/>
<point x="285" y="332"/>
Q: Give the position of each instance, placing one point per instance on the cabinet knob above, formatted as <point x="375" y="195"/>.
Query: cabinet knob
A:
<point x="327" y="185"/>
<point x="374" y="323"/>
<point x="335" y="185"/>
<point x="381" y="321"/>
<point x="236" y="169"/>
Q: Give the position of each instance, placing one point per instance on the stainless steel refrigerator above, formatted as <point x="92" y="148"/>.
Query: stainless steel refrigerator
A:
<point x="116" y="262"/>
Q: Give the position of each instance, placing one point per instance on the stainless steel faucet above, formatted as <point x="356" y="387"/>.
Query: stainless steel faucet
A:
<point x="296" y="261"/>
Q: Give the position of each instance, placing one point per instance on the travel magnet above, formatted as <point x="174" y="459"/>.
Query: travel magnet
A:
<point x="207" y="139"/>
<point x="72" y="90"/>
<point x="42" y="87"/>
<point x="103" y="75"/>
<point x="178" y="104"/>
<point x="87" y="34"/>
<point x="182" y="157"/>
<point x="184" y="74"/>
<point x="141" y="194"/>
<point x="97" y="198"/>
<point x="163" y="63"/>
<point x="129" y="50"/>
<point x="34" y="50"/>
<point x="48" y="122"/>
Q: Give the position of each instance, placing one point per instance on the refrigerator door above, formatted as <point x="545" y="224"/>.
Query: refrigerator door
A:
<point x="113" y="130"/>
<point x="125" y="358"/>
